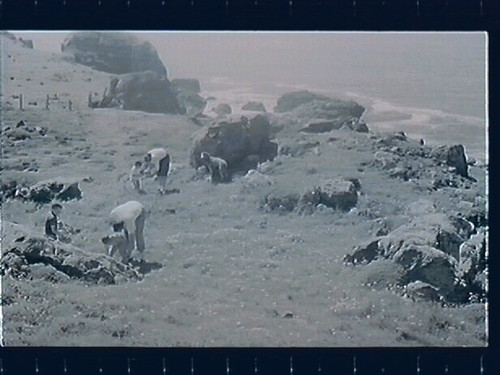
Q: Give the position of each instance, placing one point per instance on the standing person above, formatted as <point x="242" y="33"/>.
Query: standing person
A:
<point x="136" y="176"/>
<point x="129" y="218"/>
<point x="159" y="159"/>
<point x="52" y="222"/>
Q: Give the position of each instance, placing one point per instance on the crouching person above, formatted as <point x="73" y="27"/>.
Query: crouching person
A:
<point x="217" y="167"/>
<point x="128" y="222"/>
<point x="117" y="242"/>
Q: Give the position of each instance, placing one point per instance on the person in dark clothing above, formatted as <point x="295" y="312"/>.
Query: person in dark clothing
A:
<point x="163" y="173"/>
<point x="52" y="222"/>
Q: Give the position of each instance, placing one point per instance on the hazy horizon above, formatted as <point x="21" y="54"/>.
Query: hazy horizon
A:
<point x="437" y="70"/>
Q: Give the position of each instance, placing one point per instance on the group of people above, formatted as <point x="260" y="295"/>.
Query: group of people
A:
<point x="127" y="220"/>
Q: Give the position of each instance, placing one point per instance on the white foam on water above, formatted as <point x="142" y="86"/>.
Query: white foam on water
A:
<point x="435" y="126"/>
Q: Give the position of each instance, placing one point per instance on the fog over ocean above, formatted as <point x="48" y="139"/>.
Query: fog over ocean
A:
<point x="428" y="84"/>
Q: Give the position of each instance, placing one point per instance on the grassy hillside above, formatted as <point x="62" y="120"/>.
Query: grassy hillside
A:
<point x="233" y="274"/>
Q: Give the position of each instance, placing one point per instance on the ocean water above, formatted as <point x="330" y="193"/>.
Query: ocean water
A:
<point x="430" y="85"/>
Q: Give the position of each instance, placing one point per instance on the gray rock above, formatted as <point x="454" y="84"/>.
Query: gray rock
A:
<point x="241" y="142"/>
<point x="254" y="106"/>
<point x="420" y="291"/>
<point x="187" y="93"/>
<point x="223" y="109"/>
<point x="116" y="53"/>
<point x="41" y="258"/>
<point x="58" y="188"/>
<point x="322" y="127"/>
<point x="363" y="253"/>
<point x="453" y="156"/>
<point x="472" y="256"/>
<point x="339" y="194"/>
<point x="144" y="91"/>
<point x="427" y="264"/>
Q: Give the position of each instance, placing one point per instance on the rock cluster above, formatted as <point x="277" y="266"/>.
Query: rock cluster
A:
<point x="336" y="193"/>
<point x="116" y="53"/>
<point x="242" y="142"/>
<point x="446" y="253"/>
<point x="40" y="258"/>
<point x="44" y="192"/>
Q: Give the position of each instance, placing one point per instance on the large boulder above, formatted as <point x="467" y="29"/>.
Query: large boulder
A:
<point x="40" y="258"/>
<point x="145" y="91"/>
<point x="242" y="142"/>
<point x="187" y="92"/>
<point x="304" y="104"/>
<point x="254" y="106"/>
<point x="339" y="193"/>
<point x="223" y="109"/>
<point x="453" y="156"/>
<point x="433" y="249"/>
<point x="472" y="257"/>
<point x="116" y="53"/>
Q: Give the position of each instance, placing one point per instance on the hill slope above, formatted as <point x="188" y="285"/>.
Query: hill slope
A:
<point x="234" y="274"/>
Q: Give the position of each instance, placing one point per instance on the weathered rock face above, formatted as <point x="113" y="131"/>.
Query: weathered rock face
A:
<point x="254" y="106"/>
<point x="117" y="53"/>
<point x="242" y="142"/>
<point x="145" y="91"/>
<point x="433" y="249"/>
<point x="453" y="156"/>
<point x="309" y="105"/>
<point x="40" y="258"/>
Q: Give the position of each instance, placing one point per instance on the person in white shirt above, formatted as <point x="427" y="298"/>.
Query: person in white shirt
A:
<point x="129" y="219"/>
<point x="157" y="163"/>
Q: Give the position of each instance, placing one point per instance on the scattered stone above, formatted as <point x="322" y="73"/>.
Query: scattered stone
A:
<point x="41" y="258"/>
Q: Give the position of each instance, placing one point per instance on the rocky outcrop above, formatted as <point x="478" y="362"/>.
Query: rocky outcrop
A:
<point x="254" y="106"/>
<point x="434" y="249"/>
<point x="59" y="188"/>
<point x="26" y="43"/>
<point x="453" y="156"/>
<point x="304" y="104"/>
<point x="337" y="194"/>
<point x="187" y="92"/>
<point x="40" y="258"/>
<point x="116" y="53"/>
<point x="242" y="142"/>
<point x="145" y="91"/>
